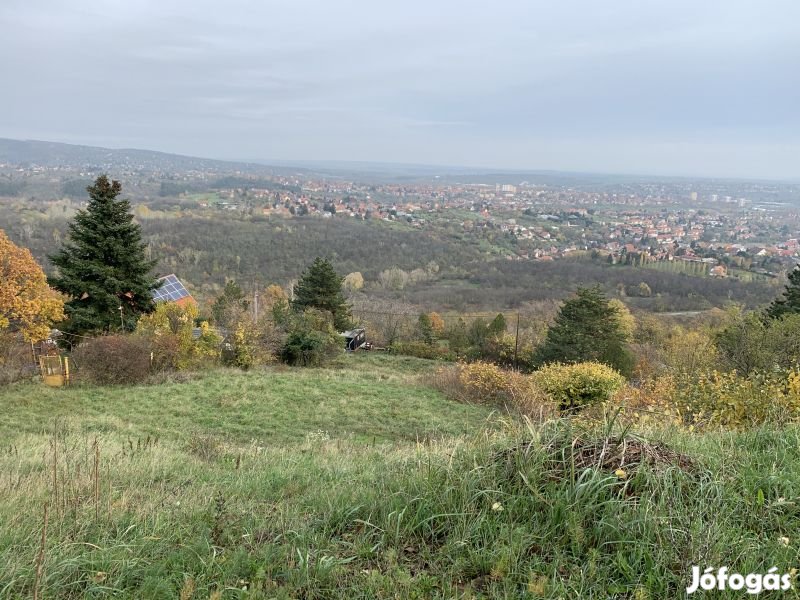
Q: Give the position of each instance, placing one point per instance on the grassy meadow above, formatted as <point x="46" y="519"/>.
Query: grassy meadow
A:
<point x="361" y="481"/>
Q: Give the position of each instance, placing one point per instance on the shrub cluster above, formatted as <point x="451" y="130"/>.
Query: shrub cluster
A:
<point x="486" y="383"/>
<point x="15" y="358"/>
<point x="575" y="386"/>
<point x="311" y="340"/>
<point x="113" y="359"/>
<point x="727" y="399"/>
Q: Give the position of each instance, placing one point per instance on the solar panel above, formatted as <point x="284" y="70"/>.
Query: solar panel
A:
<point x="171" y="289"/>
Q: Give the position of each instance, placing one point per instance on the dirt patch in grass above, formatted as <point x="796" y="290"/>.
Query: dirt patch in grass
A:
<point x="607" y="453"/>
<point x="628" y="453"/>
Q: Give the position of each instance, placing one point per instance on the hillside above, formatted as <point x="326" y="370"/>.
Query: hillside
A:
<point x="362" y="482"/>
<point x="55" y="154"/>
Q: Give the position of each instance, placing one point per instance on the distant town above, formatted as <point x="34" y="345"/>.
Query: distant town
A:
<point x="715" y="228"/>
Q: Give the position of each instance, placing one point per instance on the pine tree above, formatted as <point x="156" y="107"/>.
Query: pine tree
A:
<point x="587" y="328"/>
<point x="103" y="268"/>
<point x="229" y="307"/>
<point x="425" y="329"/>
<point x="790" y="303"/>
<point x="320" y="287"/>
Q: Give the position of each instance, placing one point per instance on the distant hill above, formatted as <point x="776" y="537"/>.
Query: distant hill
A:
<point x="55" y="154"/>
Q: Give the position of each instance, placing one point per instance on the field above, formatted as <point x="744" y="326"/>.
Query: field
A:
<point x="363" y="482"/>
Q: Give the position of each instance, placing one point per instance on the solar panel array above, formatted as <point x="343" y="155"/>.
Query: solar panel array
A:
<point x="171" y="290"/>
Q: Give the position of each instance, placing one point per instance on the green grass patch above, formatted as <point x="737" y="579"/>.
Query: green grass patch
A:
<point x="232" y="500"/>
<point x="369" y="398"/>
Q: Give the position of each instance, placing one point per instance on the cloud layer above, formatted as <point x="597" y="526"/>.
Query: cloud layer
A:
<point x="634" y="86"/>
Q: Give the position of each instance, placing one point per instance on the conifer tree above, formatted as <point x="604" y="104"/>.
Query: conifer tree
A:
<point x="103" y="267"/>
<point x="587" y="328"/>
<point x="320" y="287"/>
<point x="790" y="303"/>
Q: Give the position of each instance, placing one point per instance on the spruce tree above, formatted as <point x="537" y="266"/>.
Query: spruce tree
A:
<point x="587" y="328"/>
<point x="790" y="303"/>
<point x="320" y="287"/>
<point x="103" y="267"/>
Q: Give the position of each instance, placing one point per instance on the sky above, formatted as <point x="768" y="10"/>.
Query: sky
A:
<point x="667" y="87"/>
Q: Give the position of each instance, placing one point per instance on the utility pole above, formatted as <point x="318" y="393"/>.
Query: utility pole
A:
<point x="516" y="345"/>
<point x="121" y="320"/>
<point x="255" y="304"/>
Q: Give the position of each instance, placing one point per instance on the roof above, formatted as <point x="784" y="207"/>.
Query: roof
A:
<point x="172" y="290"/>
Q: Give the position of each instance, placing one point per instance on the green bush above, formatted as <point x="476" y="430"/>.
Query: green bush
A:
<point x="309" y="348"/>
<point x="311" y="340"/>
<point x="578" y="385"/>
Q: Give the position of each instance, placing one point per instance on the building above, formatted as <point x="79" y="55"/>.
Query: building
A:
<point x="173" y="290"/>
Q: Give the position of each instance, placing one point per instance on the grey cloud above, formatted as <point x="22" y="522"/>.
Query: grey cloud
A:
<point x="628" y="86"/>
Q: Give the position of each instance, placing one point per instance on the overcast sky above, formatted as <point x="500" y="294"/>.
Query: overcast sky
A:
<point x="686" y="87"/>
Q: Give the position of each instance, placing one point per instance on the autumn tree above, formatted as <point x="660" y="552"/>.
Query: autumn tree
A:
<point x="276" y="303"/>
<point x="103" y="267"/>
<point x="27" y="303"/>
<point x="353" y="282"/>
<point x="437" y="323"/>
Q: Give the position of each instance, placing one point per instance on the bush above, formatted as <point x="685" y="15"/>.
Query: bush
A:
<point x="243" y="351"/>
<point x="113" y="359"/>
<point x="575" y="386"/>
<point x="309" y="348"/>
<point x="312" y="340"/>
<point x="727" y="399"/>
<point x="485" y="383"/>
<point x="651" y="402"/>
<point x="15" y="358"/>
<point x="422" y="350"/>
<point x="170" y="331"/>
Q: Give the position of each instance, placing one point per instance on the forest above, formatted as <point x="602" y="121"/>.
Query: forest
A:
<point x="206" y="251"/>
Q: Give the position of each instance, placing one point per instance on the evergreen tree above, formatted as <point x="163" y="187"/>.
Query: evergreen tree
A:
<point x="425" y="329"/>
<point x="103" y="268"/>
<point x="320" y="287"/>
<point x="587" y="328"/>
<point x="790" y="303"/>
<point x="229" y="307"/>
<point x="498" y="325"/>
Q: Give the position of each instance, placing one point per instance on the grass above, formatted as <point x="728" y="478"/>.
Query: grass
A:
<point x="365" y="397"/>
<point x="475" y="511"/>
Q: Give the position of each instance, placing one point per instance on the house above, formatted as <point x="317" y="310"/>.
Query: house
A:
<point x="173" y="290"/>
<point x="718" y="271"/>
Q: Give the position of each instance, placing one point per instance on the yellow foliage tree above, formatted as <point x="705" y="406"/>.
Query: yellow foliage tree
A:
<point x="26" y="301"/>
<point x="627" y="322"/>
<point x="437" y="323"/>
<point x="171" y="320"/>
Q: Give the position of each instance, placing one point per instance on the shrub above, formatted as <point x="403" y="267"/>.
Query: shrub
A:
<point x="15" y="358"/>
<point x="309" y="348"/>
<point x="727" y="399"/>
<point x="169" y="329"/>
<point x="312" y="340"/>
<point x="168" y="350"/>
<point x="113" y="359"/>
<point x="652" y="402"/>
<point x="422" y="350"/>
<point x="485" y="383"/>
<point x="243" y="354"/>
<point x="575" y="386"/>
